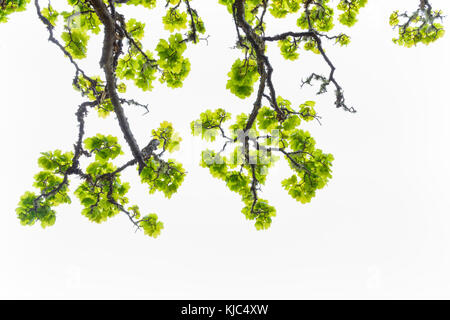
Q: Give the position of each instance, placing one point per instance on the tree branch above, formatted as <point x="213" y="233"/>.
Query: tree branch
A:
<point x="107" y="63"/>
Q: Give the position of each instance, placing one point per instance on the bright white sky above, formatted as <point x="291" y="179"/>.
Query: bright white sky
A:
<point x="380" y="229"/>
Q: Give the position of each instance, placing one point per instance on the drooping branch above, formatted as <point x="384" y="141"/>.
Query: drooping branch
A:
<point x="340" y="100"/>
<point x="264" y="67"/>
<point x="53" y="39"/>
<point x="107" y="63"/>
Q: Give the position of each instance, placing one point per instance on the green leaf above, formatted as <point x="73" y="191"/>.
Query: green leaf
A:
<point x="135" y="29"/>
<point x="76" y="42"/>
<point x="174" y="20"/>
<point x="152" y="227"/>
<point x="104" y="147"/>
<point x="242" y="77"/>
<point x="163" y="176"/>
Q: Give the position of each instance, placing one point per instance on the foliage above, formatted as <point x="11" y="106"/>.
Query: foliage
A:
<point x="9" y="6"/>
<point x="421" y="26"/>
<point x="311" y="167"/>
<point x="242" y="77"/>
<point x="252" y="142"/>
<point x="52" y="184"/>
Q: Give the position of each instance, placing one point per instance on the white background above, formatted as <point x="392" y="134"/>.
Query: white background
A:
<point x="380" y="229"/>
